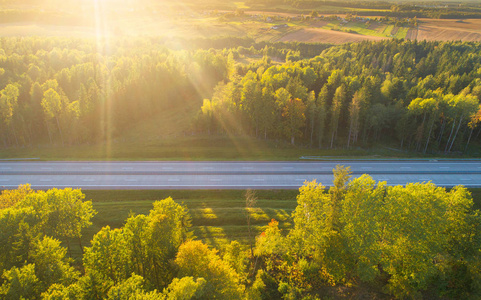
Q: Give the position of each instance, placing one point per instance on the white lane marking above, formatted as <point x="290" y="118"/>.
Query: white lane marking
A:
<point x="444" y="167"/>
<point x="130" y="179"/>
<point x="258" y="179"/>
<point x="465" y="179"/>
<point x="173" y="179"/>
<point x="88" y="179"/>
<point x="406" y="168"/>
<point x="424" y="179"/>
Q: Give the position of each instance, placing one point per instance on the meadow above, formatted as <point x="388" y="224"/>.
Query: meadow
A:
<point x="218" y="216"/>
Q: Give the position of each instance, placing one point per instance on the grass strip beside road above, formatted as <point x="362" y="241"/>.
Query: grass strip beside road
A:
<point x="202" y="148"/>
<point x="179" y="149"/>
<point x="218" y="216"/>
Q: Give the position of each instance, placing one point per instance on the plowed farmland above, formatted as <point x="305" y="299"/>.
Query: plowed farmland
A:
<point x="313" y="35"/>
<point x="448" y="30"/>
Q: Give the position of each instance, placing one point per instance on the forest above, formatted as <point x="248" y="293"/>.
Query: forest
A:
<point x="414" y="96"/>
<point x="359" y="238"/>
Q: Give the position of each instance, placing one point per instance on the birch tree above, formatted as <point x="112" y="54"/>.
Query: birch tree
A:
<point x="354" y="109"/>
<point x="52" y="107"/>
<point x="8" y="105"/>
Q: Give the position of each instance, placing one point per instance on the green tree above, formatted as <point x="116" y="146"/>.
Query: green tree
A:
<point x="293" y="114"/>
<point x="413" y="220"/>
<point x="462" y="106"/>
<point x="267" y="109"/>
<point x="52" y="107"/>
<point x="65" y="212"/>
<point x="251" y="99"/>
<point x="361" y="226"/>
<point x="133" y="288"/>
<point x="20" y="283"/>
<point x="8" y="105"/>
<point x="51" y="265"/>
<point x="296" y="88"/>
<point x="196" y="260"/>
<point x="322" y="113"/>
<point x="312" y="220"/>
<point x="312" y="110"/>
<point x="20" y="228"/>
<point x="428" y="108"/>
<point x="185" y="288"/>
<point x="354" y="110"/>
<point x="108" y="256"/>
<point x="152" y="241"/>
<point x="336" y="112"/>
<point x="165" y="232"/>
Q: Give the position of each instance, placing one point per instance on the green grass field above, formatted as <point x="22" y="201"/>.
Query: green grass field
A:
<point x="363" y="29"/>
<point x="218" y="216"/>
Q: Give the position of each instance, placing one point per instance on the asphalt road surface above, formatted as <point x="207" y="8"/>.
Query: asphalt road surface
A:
<point x="229" y="175"/>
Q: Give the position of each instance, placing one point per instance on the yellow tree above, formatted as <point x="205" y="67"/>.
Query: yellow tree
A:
<point x="9" y="198"/>
<point x="473" y="123"/>
<point x="195" y="259"/>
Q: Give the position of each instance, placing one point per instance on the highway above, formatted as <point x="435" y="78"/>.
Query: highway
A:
<point x="230" y="175"/>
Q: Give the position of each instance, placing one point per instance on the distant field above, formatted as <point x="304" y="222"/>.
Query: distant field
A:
<point x="319" y="35"/>
<point x="254" y="24"/>
<point x="448" y="30"/>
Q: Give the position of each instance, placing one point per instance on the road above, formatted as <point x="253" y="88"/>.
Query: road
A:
<point x="229" y="175"/>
